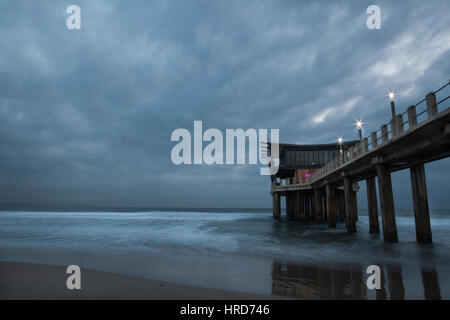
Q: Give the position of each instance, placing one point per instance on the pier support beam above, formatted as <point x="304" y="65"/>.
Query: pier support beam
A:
<point x="387" y="203"/>
<point x="374" y="225"/>
<point x="355" y="190"/>
<point x="307" y="206"/>
<point x="340" y="200"/>
<point x="350" y="205"/>
<point x="318" y="194"/>
<point x="331" y="206"/>
<point x="276" y="206"/>
<point x="289" y="205"/>
<point x="300" y="210"/>
<point x="420" y="199"/>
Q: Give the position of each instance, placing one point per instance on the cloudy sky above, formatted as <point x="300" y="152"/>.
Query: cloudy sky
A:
<point x="86" y="115"/>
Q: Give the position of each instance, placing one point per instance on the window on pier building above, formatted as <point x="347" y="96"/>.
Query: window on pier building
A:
<point x="306" y="158"/>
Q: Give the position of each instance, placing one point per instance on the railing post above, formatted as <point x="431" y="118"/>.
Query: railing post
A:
<point x="384" y="133"/>
<point x="393" y="127"/>
<point x="373" y="138"/>
<point x="412" y="118"/>
<point x="399" y="124"/>
<point x="358" y="149"/>
<point x="431" y="105"/>
<point x="366" y="145"/>
<point x="396" y="125"/>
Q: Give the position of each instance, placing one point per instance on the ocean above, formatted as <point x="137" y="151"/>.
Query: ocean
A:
<point x="240" y="250"/>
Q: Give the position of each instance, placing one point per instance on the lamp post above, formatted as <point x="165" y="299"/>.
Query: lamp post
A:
<point x="391" y="97"/>
<point x="340" y="142"/>
<point x="359" y="126"/>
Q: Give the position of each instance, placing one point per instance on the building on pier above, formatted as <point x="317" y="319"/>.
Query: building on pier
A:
<point x="300" y="161"/>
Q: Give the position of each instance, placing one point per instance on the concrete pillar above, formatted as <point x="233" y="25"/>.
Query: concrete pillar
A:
<point x="318" y="194"/>
<point x="387" y="203"/>
<point x="341" y="204"/>
<point x="307" y="206"/>
<point x="374" y="225"/>
<point x="276" y="206"/>
<point x="300" y="208"/>
<point x="350" y="205"/>
<point x="397" y="125"/>
<point x="355" y="196"/>
<point x="286" y="201"/>
<point x="373" y="140"/>
<point x="289" y="205"/>
<point x="384" y="133"/>
<point x="420" y="200"/>
<point x="331" y="206"/>
<point x="431" y="105"/>
<point x="301" y="212"/>
<point x="366" y="145"/>
<point x="294" y="205"/>
<point x="412" y="118"/>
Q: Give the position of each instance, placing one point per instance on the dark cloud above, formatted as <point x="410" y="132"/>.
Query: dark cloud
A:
<point x="86" y="116"/>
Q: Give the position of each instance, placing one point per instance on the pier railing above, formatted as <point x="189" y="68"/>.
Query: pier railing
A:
<point x="402" y="124"/>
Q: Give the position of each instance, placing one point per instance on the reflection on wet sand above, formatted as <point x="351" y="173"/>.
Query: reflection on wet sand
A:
<point x="345" y="282"/>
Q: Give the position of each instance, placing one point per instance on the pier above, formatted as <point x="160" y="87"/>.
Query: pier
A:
<point x="419" y="135"/>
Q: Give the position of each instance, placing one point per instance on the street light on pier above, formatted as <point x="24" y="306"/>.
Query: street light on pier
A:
<point x="359" y="126"/>
<point x="391" y="97"/>
<point x="340" y="142"/>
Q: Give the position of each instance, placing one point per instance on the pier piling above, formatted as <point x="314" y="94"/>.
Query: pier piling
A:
<point x="374" y="225"/>
<point x="420" y="200"/>
<point x="350" y="205"/>
<point x="307" y="206"/>
<point x="387" y="203"/>
<point x="276" y="206"/>
<point x="331" y="206"/>
<point x="318" y="194"/>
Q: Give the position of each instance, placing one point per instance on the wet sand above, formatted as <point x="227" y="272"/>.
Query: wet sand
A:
<point x="37" y="281"/>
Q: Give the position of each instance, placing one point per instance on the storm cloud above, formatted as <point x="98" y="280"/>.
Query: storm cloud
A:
<point x="86" y="115"/>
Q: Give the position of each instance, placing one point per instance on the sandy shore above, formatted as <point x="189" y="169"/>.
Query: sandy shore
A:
<point x="36" y="281"/>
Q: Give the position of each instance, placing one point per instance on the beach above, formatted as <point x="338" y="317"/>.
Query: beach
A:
<point x="214" y="255"/>
<point x="37" y="281"/>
